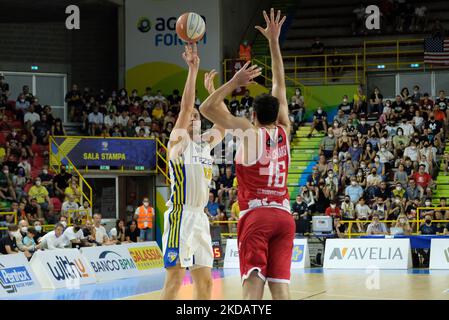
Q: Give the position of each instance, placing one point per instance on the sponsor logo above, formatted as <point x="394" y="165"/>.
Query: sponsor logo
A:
<point x="110" y="261"/>
<point x="366" y="253"/>
<point x="146" y="258"/>
<point x="144" y="24"/>
<point x="298" y="253"/>
<point x="104" y="145"/>
<point x="172" y="255"/>
<point x="64" y="269"/>
<point x="14" y="278"/>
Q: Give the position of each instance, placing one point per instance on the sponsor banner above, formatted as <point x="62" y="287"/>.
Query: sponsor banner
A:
<point x="147" y="256"/>
<point x="154" y="50"/>
<point x="110" y="262"/>
<point x="300" y="254"/>
<point x="112" y="152"/>
<point x="61" y="268"/>
<point x="231" y="259"/>
<point x="439" y="254"/>
<point x="16" y="277"/>
<point x="367" y="253"/>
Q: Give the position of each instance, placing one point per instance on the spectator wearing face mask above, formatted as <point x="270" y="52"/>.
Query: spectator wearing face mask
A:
<point x="333" y="210"/>
<point x="355" y="151"/>
<point x="396" y="208"/>
<point x="381" y="207"/>
<point x="385" y="156"/>
<point x="347" y="209"/>
<point x="403" y="223"/>
<point x="328" y="144"/>
<point x="46" y="178"/>
<point x="427" y="228"/>
<point x="362" y="211"/>
<point x="39" y="231"/>
<point x="319" y="121"/>
<point x="376" y="227"/>
<point x="331" y="182"/>
<point x="309" y="196"/>
<point x="429" y="209"/>
<point x="8" y="243"/>
<point x="40" y="193"/>
<point x="345" y="106"/>
<point x="407" y="128"/>
<point x="144" y="216"/>
<point x="354" y="191"/>
<point x="74" y="235"/>
<point x="363" y="127"/>
<point x="400" y="141"/>
<point x="70" y="207"/>
<point x="423" y="179"/>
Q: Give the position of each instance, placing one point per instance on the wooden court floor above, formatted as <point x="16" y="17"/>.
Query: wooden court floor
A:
<point x="338" y="285"/>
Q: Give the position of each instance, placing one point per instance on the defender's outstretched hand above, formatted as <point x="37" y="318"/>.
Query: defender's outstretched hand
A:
<point x="274" y="25"/>
<point x="209" y="81"/>
<point x="190" y="56"/>
<point x="246" y="75"/>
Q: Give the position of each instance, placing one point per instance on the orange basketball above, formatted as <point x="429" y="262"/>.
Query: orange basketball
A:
<point x="190" y="27"/>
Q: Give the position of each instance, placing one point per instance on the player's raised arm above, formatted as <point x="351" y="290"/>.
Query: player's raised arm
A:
<point x="179" y="135"/>
<point x="272" y="32"/>
<point x="217" y="133"/>
<point x="212" y="107"/>
<point x="190" y="56"/>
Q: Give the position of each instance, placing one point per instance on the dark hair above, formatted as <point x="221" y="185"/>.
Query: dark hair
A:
<point x="32" y="230"/>
<point x="118" y="222"/>
<point x="267" y="108"/>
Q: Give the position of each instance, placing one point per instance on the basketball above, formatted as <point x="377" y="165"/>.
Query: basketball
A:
<point x="190" y="27"/>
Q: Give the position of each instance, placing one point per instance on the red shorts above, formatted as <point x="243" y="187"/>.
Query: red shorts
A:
<point x="265" y="239"/>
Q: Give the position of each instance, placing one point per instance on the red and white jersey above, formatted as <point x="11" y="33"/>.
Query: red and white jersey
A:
<point x="263" y="182"/>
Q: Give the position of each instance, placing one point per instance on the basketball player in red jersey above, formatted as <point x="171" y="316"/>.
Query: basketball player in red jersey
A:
<point x="266" y="228"/>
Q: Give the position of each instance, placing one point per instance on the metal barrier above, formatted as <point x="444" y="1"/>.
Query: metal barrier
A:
<point x="55" y="163"/>
<point x="9" y="214"/>
<point x="417" y="223"/>
<point x="226" y="234"/>
<point x="358" y="62"/>
<point x="397" y="53"/>
<point x="85" y="217"/>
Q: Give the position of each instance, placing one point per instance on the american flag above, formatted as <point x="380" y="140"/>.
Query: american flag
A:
<point x="436" y="50"/>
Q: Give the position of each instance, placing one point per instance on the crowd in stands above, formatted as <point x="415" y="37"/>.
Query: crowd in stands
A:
<point x="32" y="195"/>
<point x="367" y="169"/>
<point x="378" y="160"/>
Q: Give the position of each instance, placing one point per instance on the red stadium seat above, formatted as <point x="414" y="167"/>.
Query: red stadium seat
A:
<point x="27" y="187"/>
<point x="57" y="205"/>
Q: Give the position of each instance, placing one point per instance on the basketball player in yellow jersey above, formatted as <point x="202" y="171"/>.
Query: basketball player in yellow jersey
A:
<point x="186" y="240"/>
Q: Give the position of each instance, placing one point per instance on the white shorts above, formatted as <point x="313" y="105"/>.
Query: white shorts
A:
<point x="186" y="238"/>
